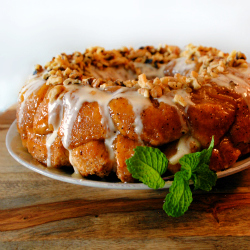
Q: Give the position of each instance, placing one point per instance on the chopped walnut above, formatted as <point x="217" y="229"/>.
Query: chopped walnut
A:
<point x="66" y="72"/>
<point x="38" y="68"/>
<point x="142" y="80"/>
<point x="180" y="100"/>
<point x="175" y="85"/>
<point x="55" y="93"/>
<point x="193" y="83"/>
<point x="70" y="81"/>
<point x="54" y="80"/>
<point x="128" y="84"/>
<point x="75" y="74"/>
<point x="107" y="84"/>
<point x="156" y="91"/>
<point x="237" y="59"/>
<point x="157" y="81"/>
<point x="144" y="92"/>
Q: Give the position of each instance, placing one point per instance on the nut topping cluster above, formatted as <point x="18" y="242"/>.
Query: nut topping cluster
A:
<point x="76" y="68"/>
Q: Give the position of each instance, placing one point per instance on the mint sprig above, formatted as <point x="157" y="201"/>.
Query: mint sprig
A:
<point x="148" y="164"/>
<point x="194" y="166"/>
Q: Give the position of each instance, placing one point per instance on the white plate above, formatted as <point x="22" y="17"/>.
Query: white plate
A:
<point x="20" y="154"/>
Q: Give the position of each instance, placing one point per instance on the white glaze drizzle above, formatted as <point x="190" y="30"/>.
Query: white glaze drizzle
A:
<point x="109" y="144"/>
<point x="183" y="148"/>
<point x="138" y="103"/>
<point x="55" y="114"/>
<point x="76" y="173"/>
<point x="182" y="67"/>
<point x="185" y="95"/>
<point x="179" y="66"/>
<point x="150" y="71"/>
<point x="112" y="73"/>
<point x="34" y="83"/>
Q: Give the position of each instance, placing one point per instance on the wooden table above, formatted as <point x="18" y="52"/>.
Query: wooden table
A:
<point x="37" y="212"/>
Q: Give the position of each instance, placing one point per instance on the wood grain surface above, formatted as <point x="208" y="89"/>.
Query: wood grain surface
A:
<point x="37" y="212"/>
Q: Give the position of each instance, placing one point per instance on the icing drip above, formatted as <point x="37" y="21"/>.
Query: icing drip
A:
<point x="70" y="113"/>
<point x="150" y="71"/>
<point x="182" y="67"/>
<point x="55" y="114"/>
<point x="178" y="65"/>
<point x="112" y="73"/>
<point x="76" y="173"/>
<point x="109" y="144"/>
<point x="139" y="103"/>
<point x="34" y="83"/>
<point x="183" y="148"/>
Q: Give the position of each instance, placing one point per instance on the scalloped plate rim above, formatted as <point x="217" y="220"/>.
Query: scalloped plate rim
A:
<point x="19" y="153"/>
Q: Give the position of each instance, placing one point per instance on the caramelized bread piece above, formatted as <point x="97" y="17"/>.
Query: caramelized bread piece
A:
<point x="124" y="150"/>
<point x="208" y="119"/>
<point x="36" y="145"/>
<point x="161" y="124"/>
<point x="240" y="132"/>
<point x="87" y="125"/>
<point x="26" y="110"/>
<point x="123" y="116"/>
<point x="243" y="147"/>
<point x="40" y="123"/>
<point x="53" y="101"/>
<point x="224" y="156"/>
<point x="91" y="158"/>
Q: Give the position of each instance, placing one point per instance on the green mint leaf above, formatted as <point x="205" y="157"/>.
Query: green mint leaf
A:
<point x="145" y="173"/>
<point x="191" y="161"/>
<point x="205" y="154"/>
<point x="204" y="178"/>
<point x="188" y="163"/>
<point x="147" y="165"/>
<point x="152" y="157"/>
<point x="179" y="197"/>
